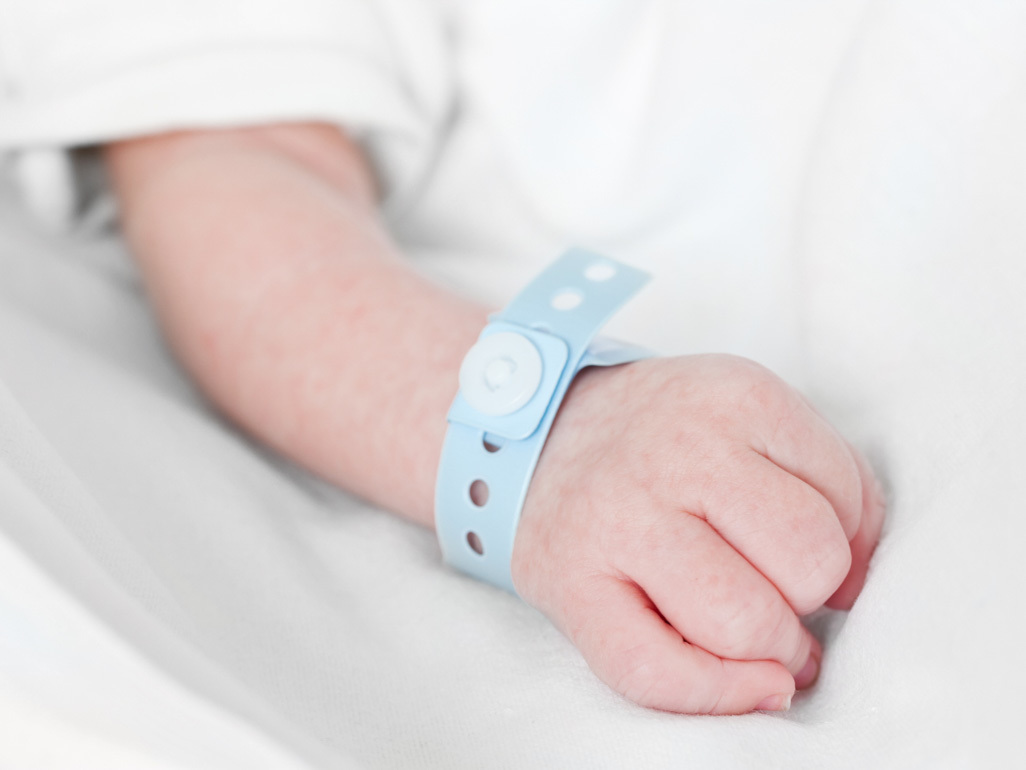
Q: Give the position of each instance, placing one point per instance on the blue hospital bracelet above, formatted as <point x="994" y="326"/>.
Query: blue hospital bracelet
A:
<point x="511" y="385"/>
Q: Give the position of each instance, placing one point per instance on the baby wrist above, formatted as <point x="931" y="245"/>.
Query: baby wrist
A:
<point x="511" y="385"/>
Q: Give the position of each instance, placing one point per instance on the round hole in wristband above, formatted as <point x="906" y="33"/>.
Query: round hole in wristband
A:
<point x="511" y="385"/>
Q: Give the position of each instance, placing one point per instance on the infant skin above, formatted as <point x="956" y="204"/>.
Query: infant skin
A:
<point x="685" y="513"/>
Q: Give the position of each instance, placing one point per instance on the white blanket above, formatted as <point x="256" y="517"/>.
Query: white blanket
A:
<point x="173" y="596"/>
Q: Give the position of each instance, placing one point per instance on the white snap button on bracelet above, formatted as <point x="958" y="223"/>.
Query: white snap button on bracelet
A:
<point x="512" y="383"/>
<point x="500" y="373"/>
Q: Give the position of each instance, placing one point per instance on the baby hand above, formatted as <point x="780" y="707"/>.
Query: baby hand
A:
<point x="683" y="516"/>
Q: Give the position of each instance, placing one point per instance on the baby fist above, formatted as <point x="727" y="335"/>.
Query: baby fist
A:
<point x="685" y="513"/>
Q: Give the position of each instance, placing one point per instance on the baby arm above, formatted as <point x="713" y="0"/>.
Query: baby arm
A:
<point x="281" y="292"/>
<point x="685" y="512"/>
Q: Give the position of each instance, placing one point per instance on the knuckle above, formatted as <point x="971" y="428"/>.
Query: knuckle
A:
<point x="824" y="573"/>
<point x="741" y="380"/>
<point x="764" y="392"/>
<point x="752" y="632"/>
<point x="739" y="367"/>
<point x="708" y="691"/>
<point x="636" y="674"/>
<point x="850" y="481"/>
<point x="789" y="641"/>
<point x="641" y="675"/>
<point x="738" y="629"/>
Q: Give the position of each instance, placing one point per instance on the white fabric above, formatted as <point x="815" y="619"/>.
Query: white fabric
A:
<point x="836" y="191"/>
<point x="78" y="73"/>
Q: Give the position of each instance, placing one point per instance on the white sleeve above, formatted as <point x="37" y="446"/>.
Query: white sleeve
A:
<point x="81" y="72"/>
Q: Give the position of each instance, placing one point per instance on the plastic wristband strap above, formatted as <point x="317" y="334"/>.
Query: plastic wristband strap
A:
<point x="511" y="385"/>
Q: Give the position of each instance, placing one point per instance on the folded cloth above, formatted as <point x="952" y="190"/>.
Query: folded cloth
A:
<point x="76" y="73"/>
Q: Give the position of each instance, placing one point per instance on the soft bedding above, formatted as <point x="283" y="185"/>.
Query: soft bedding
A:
<point x="173" y="596"/>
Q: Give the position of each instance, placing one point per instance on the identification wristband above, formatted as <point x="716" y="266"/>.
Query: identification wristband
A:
<point x="511" y="385"/>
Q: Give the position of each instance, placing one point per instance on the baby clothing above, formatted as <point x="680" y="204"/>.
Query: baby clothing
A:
<point x="663" y="133"/>
<point x="78" y="73"/>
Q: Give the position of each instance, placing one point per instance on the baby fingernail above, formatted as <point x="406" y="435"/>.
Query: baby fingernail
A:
<point x="808" y="674"/>
<point x="775" y="703"/>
